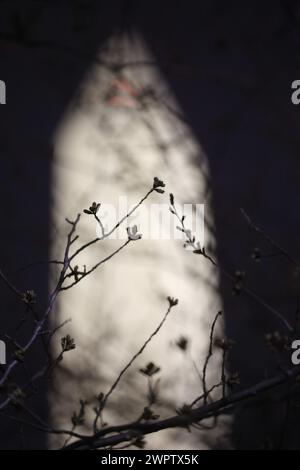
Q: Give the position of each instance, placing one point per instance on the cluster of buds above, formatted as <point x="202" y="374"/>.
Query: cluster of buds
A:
<point x="133" y="234"/>
<point x="150" y="369"/>
<point x="182" y="343"/>
<point x="277" y="342"/>
<point x="172" y="301"/>
<point x="256" y="255"/>
<point x="67" y="343"/>
<point x="158" y="184"/>
<point x="238" y="284"/>
<point x="93" y="209"/>
<point x="78" y="274"/>
<point x="29" y="297"/>
<point x="78" y="419"/>
<point x="148" y="414"/>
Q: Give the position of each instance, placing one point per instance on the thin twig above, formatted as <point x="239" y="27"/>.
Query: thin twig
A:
<point x="139" y="352"/>
<point x="274" y="244"/>
<point x="210" y="352"/>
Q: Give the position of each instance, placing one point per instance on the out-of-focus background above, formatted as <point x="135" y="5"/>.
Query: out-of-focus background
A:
<point x="219" y="127"/>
